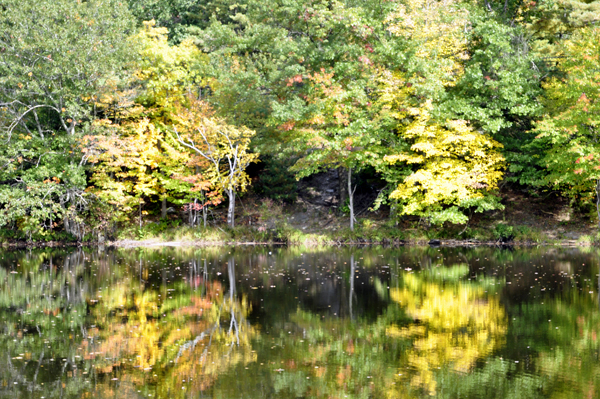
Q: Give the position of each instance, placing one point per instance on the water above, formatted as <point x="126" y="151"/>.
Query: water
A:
<point x="300" y="323"/>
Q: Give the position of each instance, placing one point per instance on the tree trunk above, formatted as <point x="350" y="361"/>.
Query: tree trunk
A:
<point x="140" y="208"/>
<point x="351" y="199"/>
<point x="343" y="188"/>
<point x="231" y="209"/>
<point x="163" y="208"/>
<point x="394" y="212"/>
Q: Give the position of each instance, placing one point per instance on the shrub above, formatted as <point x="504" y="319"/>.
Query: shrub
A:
<point x="504" y="232"/>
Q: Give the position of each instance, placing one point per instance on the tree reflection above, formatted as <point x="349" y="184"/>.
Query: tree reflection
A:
<point x="437" y="321"/>
<point x="454" y="324"/>
<point x="104" y="330"/>
<point x="350" y="322"/>
<point x="192" y="336"/>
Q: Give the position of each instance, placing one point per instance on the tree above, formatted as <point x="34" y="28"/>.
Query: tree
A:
<point x="436" y="36"/>
<point x="322" y="112"/>
<point x="135" y="155"/>
<point x="336" y="127"/>
<point x="180" y="17"/>
<point x="226" y="149"/>
<point x="168" y="74"/>
<point x="55" y="56"/>
<point x="259" y="53"/>
<point x="445" y="163"/>
<point x="456" y="167"/>
<point x="128" y="160"/>
<point x="570" y="126"/>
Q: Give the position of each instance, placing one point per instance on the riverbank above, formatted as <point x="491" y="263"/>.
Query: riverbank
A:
<point x="440" y="243"/>
<point x="186" y="237"/>
<point x="525" y="221"/>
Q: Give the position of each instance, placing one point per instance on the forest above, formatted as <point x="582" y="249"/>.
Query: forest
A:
<point x="119" y="113"/>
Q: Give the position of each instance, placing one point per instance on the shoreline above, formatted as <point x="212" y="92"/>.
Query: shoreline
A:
<point x="443" y="243"/>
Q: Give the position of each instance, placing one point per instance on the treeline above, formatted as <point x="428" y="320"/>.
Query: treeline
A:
<point x="110" y="110"/>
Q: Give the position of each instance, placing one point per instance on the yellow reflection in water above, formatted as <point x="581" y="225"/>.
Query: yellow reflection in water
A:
<point x="457" y="324"/>
<point x="192" y="341"/>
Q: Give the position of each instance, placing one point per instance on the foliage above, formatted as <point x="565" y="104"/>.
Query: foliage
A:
<point x="264" y="57"/>
<point x="504" y="232"/>
<point x="180" y="17"/>
<point x="500" y="81"/>
<point x="136" y="157"/>
<point x="444" y="166"/>
<point x="455" y="167"/>
<point x="56" y="58"/>
<point x="224" y="148"/>
<point x="571" y="122"/>
<point x="123" y="161"/>
<point x="438" y="41"/>
<point x="103" y="121"/>
<point x="168" y="73"/>
<point x="276" y="181"/>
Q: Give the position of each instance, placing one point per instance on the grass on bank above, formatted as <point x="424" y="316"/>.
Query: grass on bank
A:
<point x="366" y="231"/>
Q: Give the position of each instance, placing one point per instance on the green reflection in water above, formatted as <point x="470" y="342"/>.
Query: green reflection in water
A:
<point x="329" y="323"/>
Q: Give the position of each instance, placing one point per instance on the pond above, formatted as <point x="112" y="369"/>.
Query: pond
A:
<point x="250" y="322"/>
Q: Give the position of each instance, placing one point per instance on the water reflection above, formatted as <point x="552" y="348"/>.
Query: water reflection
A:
<point x="453" y="323"/>
<point x="264" y="322"/>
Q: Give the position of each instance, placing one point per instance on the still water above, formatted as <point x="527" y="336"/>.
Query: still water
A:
<point x="266" y="322"/>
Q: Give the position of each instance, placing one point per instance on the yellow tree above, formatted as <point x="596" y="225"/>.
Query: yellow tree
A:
<point x="455" y="167"/>
<point x="447" y="165"/>
<point x="169" y="73"/>
<point x="131" y="159"/>
<point x="135" y="154"/>
<point x="121" y="175"/>
<point x="224" y="147"/>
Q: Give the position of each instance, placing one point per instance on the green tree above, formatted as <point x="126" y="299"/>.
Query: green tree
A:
<point x="262" y="55"/>
<point x="55" y="58"/>
<point x="570" y="126"/>
<point x="501" y="78"/>
<point x="336" y="127"/>
<point x="180" y="17"/>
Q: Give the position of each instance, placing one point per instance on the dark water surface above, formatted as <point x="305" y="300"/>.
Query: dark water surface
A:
<point x="300" y="323"/>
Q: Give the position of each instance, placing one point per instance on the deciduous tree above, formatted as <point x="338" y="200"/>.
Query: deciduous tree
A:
<point x="445" y="164"/>
<point x="135" y="155"/>
<point x="226" y="149"/>
<point x="571" y="123"/>
<point x="454" y="167"/>
<point x="55" y="56"/>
